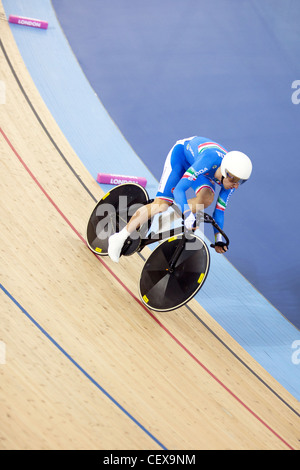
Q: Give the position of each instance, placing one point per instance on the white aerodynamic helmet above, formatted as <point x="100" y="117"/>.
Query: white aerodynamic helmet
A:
<point x="236" y="164"/>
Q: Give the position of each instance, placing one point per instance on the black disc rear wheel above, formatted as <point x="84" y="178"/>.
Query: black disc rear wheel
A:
<point x="112" y="213"/>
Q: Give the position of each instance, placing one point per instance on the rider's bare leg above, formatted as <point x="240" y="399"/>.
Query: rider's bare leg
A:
<point x="147" y="212"/>
<point x="203" y="199"/>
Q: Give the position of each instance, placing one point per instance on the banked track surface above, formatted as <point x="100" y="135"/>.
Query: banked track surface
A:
<point x="87" y="366"/>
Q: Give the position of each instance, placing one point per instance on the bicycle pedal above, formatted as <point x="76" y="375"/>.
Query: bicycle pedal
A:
<point x="131" y="246"/>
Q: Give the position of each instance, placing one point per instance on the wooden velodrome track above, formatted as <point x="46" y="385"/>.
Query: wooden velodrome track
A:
<point x="87" y="366"/>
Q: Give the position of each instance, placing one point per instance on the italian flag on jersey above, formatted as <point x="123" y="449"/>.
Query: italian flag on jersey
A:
<point x="221" y="205"/>
<point x="210" y="145"/>
<point x="190" y="174"/>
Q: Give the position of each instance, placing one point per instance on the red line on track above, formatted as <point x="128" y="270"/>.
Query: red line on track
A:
<point x="138" y="301"/>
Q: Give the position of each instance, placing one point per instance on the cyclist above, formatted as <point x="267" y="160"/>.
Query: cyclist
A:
<point x="198" y="163"/>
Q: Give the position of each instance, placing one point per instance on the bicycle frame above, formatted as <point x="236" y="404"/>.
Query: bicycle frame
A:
<point x="156" y="237"/>
<point x="137" y="241"/>
<point x="181" y="260"/>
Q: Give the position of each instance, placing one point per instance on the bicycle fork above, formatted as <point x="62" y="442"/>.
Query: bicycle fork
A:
<point x="175" y="257"/>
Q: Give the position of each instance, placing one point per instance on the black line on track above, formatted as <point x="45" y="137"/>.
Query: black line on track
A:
<point x="95" y="200"/>
<point x="242" y="362"/>
<point x="42" y="124"/>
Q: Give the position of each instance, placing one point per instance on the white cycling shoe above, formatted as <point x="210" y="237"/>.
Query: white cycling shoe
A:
<point x="116" y="243"/>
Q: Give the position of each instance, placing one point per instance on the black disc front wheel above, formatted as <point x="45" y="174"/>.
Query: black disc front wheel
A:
<point x="164" y="286"/>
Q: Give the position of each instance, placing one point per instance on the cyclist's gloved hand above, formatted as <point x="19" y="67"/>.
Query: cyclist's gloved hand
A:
<point x="221" y="244"/>
<point x="190" y="222"/>
<point x="220" y="247"/>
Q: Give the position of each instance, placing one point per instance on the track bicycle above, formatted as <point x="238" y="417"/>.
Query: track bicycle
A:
<point x="177" y="267"/>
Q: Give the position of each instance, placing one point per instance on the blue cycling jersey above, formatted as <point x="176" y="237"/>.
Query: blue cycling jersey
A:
<point x="192" y="163"/>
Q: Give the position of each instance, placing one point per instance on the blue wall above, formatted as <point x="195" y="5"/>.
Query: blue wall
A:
<point x="224" y="69"/>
